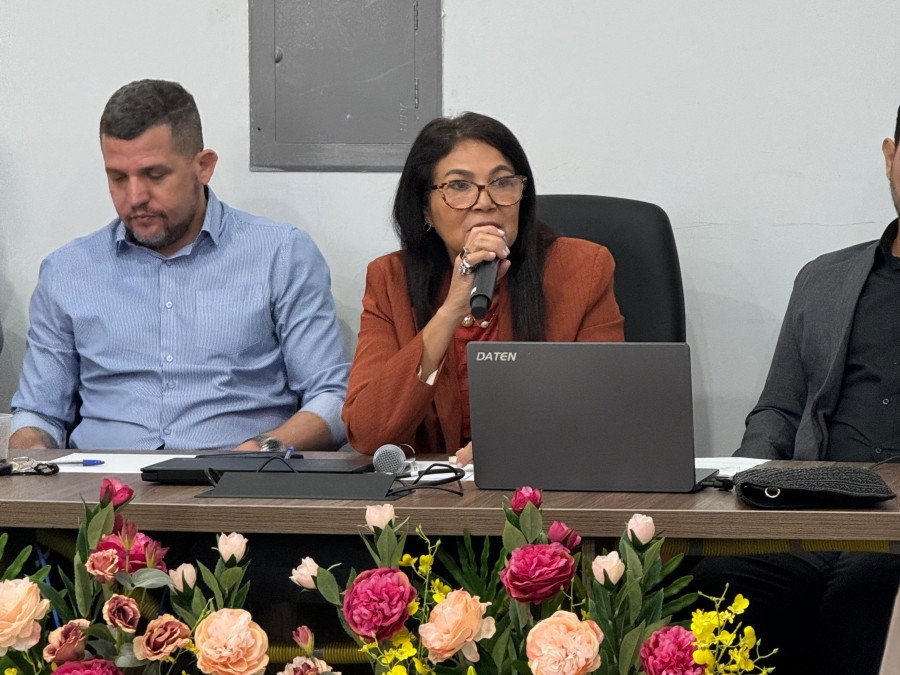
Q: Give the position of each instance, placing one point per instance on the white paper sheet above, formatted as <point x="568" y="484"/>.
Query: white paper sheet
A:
<point x="727" y="466"/>
<point x="113" y="463"/>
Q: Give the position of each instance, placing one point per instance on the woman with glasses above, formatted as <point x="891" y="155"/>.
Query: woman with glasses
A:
<point x="466" y="196"/>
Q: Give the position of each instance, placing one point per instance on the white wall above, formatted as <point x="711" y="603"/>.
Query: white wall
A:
<point x="755" y="125"/>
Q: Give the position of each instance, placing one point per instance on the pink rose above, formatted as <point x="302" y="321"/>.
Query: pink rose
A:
<point x="184" y="577"/>
<point x="379" y="516"/>
<point x="670" y="651"/>
<point x="536" y="572"/>
<point x="377" y="603"/>
<point x="561" y="533"/>
<point x="563" y="645"/>
<point x="89" y="667"/>
<point x="132" y="549"/>
<point x="121" y="612"/>
<point x="103" y="565"/>
<point x="67" y="642"/>
<point x="21" y="608"/>
<point x="163" y="636"/>
<point x="522" y="496"/>
<point x="456" y="623"/>
<point x="305" y="665"/>
<point x="114" y="491"/>
<point x="229" y="642"/>
<point x="305" y="639"/>
<point x="232" y="545"/>
<point x="608" y="567"/>
<point x="642" y="527"/>
<point x="304" y="574"/>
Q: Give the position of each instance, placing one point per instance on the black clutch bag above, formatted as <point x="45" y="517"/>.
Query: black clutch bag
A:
<point x="807" y="487"/>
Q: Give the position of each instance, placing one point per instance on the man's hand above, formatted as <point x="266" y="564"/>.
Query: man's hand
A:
<point x="32" y="438"/>
<point x="464" y="455"/>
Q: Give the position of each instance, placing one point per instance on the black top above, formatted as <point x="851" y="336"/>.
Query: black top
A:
<point x="866" y="423"/>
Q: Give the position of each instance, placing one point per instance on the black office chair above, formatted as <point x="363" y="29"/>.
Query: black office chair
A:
<point x="639" y="236"/>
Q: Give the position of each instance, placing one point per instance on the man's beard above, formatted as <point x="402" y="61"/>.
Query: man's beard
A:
<point x="169" y="235"/>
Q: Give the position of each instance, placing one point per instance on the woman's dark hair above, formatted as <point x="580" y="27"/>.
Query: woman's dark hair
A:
<point x="425" y="257"/>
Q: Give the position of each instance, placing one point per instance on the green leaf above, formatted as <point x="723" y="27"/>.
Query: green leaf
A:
<point x="16" y="565"/>
<point x="4" y="537"/>
<point x="633" y="566"/>
<point x="677" y="586"/>
<point x="630" y="649"/>
<point x="183" y="612"/>
<point x="100" y="524"/>
<point x="198" y="603"/>
<point x="57" y="601"/>
<point x="212" y="583"/>
<point x="327" y="585"/>
<point x="40" y="575"/>
<point x="84" y="587"/>
<point x="531" y="522"/>
<point x="672" y="565"/>
<point x="501" y="644"/>
<point x="100" y="631"/>
<point x="237" y="602"/>
<point x="126" y="658"/>
<point x="103" y="648"/>
<point x="678" y="604"/>
<point x="652" y="610"/>
<point x="512" y="537"/>
<point x="387" y="546"/>
<point x="231" y="578"/>
<point x="150" y="577"/>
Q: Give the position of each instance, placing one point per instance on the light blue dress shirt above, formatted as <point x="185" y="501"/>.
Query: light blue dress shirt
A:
<point x="223" y="340"/>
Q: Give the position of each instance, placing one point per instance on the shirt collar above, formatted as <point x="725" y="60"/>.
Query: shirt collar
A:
<point x="885" y="255"/>
<point x="212" y="224"/>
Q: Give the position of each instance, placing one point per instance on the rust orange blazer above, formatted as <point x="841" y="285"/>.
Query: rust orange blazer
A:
<point x="387" y="402"/>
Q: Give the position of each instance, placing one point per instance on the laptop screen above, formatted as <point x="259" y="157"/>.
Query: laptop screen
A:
<point x="582" y="416"/>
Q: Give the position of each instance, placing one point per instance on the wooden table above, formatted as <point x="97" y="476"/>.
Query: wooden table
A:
<point x="55" y="502"/>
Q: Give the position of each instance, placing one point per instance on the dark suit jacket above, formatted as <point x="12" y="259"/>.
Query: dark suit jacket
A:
<point x="790" y="421"/>
<point x="386" y="401"/>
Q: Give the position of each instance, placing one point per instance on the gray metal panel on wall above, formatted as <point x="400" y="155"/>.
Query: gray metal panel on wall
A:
<point x="341" y="85"/>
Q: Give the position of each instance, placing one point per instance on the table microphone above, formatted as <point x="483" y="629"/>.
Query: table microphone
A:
<point x="483" y="287"/>
<point x="390" y="459"/>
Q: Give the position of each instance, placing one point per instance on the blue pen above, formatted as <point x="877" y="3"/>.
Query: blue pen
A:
<point x="82" y="462"/>
<point x="289" y="452"/>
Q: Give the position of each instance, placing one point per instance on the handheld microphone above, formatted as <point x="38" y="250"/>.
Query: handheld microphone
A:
<point x="483" y="287"/>
<point x="390" y="459"/>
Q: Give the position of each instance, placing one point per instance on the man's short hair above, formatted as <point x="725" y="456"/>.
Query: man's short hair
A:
<point x="143" y="104"/>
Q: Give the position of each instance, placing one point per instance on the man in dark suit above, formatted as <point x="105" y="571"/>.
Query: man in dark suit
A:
<point x="833" y="393"/>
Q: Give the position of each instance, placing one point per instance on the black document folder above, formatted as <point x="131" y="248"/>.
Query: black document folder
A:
<point x="366" y="486"/>
<point x="203" y="470"/>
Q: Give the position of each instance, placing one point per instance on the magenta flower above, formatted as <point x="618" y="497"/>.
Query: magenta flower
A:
<point x="89" y="667"/>
<point x="377" y="603"/>
<point x="561" y="533"/>
<point x="115" y="491"/>
<point x="536" y="572"/>
<point x="669" y="651"/>
<point x="522" y="496"/>
<point x="135" y="549"/>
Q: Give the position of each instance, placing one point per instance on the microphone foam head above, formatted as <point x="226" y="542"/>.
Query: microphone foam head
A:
<point x="390" y="459"/>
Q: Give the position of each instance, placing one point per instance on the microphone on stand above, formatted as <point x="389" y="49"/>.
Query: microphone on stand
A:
<point x="483" y="287"/>
<point x="391" y="459"/>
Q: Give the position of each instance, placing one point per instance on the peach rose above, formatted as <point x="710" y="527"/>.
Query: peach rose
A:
<point x="232" y="545"/>
<point x="163" y="636"/>
<point x="608" y="566"/>
<point x="379" y="516"/>
<point x="230" y="643"/>
<point x="305" y="665"/>
<point x="121" y="612"/>
<point x="456" y="623"/>
<point x="21" y="608"/>
<point x="67" y="642"/>
<point x="103" y="565"/>
<point x="563" y="645"/>
<point x="183" y="576"/>
<point x="304" y="574"/>
<point x="642" y="527"/>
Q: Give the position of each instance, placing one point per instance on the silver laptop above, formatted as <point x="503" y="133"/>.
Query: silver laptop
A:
<point x="592" y="416"/>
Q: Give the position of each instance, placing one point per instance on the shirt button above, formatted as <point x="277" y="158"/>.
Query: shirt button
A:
<point x="169" y="358"/>
<point x="168" y="263"/>
<point x="170" y="385"/>
<point x="877" y="451"/>
<point x="168" y="304"/>
<point x="885" y="401"/>
<point x="167" y="431"/>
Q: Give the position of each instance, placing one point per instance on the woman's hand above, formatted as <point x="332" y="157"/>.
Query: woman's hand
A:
<point x="483" y="244"/>
<point x="464" y="455"/>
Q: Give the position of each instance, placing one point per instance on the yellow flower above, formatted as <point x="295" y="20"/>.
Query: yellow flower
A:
<point x="407" y="560"/>
<point x="471" y="671"/>
<point x="439" y="590"/>
<point x="741" y="659"/>
<point x="422" y="667"/>
<point x="388" y="656"/>
<point x="400" y="637"/>
<point x="368" y="646"/>
<point x="749" y="638"/>
<point x="704" y="657"/>
<point x="413" y="607"/>
<point x="397" y="670"/>
<point x="10" y="671"/>
<point x="704" y="625"/>
<point x="425" y="563"/>
<point x="405" y="650"/>
<point x="739" y="605"/>
<point x="726" y="638"/>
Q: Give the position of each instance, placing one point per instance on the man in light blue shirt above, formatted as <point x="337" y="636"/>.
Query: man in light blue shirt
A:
<point x="184" y="323"/>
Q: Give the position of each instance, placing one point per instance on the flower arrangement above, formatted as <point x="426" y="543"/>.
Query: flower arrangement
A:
<point x="527" y="610"/>
<point x="106" y="616"/>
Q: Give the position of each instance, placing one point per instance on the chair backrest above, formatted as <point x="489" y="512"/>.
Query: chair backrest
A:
<point x="639" y="236"/>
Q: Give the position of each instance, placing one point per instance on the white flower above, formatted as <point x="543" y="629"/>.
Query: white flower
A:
<point x="379" y="516"/>
<point x="183" y="575"/>
<point x="609" y="566"/>
<point x="232" y="545"/>
<point x="304" y="575"/>
<point x="642" y="527"/>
